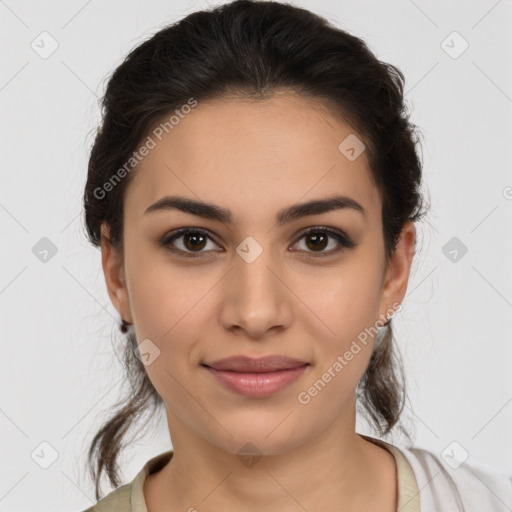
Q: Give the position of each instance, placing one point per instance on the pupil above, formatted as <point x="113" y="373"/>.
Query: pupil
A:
<point x="317" y="237"/>
<point x="195" y="237"/>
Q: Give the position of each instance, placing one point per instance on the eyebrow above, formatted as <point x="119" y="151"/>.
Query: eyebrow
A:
<point x="284" y="216"/>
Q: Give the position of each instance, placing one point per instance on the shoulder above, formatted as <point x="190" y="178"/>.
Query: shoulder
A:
<point x="130" y="497"/>
<point x="118" y="499"/>
<point x="446" y="483"/>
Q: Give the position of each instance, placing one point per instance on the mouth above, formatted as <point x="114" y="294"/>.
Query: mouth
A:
<point x="256" y="378"/>
<point x="245" y="364"/>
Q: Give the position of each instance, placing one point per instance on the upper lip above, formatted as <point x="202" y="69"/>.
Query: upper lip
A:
<point x="256" y="365"/>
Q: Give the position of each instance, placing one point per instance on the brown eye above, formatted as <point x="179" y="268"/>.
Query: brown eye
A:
<point x="317" y="240"/>
<point x="192" y="241"/>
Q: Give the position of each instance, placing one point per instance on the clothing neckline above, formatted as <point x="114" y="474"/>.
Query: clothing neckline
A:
<point x="408" y="493"/>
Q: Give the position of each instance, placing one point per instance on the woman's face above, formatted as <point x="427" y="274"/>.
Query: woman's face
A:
<point x="259" y="285"/>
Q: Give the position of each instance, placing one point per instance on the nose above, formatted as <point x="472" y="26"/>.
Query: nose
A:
<point x="256" y="300"/>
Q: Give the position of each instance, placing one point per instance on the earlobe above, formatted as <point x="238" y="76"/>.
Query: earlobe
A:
<point x="114" y="275"/>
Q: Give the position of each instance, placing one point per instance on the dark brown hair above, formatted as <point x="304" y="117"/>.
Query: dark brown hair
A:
<point x="251" y="49"/>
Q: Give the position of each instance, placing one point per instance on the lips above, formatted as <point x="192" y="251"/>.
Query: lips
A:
<point x="245" y="364"/>
<point x="256" y="377"/>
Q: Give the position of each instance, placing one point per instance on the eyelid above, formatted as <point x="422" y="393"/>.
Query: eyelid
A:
<point x="326" y="229"/>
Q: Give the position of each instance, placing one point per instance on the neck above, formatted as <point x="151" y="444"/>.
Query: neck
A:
<point x="337" y="467"/>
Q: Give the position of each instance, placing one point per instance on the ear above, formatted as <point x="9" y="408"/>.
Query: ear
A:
<point x="113" y="270"/>
<point x="398" y="270"/>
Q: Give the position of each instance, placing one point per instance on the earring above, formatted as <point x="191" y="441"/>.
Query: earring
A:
<point x="388" y="319"/>
<point x="124" y="326"/>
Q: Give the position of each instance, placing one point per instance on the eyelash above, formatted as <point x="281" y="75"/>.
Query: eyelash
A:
<point x="343" y="240"/>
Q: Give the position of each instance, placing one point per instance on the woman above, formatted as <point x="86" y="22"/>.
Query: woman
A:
<point x="254" y="189"/>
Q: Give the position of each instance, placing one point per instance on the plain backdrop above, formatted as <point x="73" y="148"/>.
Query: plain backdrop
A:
<point x="59" y="372"/>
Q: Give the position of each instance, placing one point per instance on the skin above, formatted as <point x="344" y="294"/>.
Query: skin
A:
<point x="255" y="158"/>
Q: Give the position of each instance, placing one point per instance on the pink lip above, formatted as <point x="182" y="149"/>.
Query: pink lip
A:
<point x="256" y="377"/>
<point x="257" y="384"/>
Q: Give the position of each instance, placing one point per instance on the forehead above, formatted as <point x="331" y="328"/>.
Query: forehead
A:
<point x="252" y="156"/>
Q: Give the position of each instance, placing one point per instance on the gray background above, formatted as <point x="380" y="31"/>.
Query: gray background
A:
<point x="59" y="371"/>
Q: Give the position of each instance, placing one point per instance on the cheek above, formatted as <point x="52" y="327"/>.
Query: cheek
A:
<point x="348" y="308"/>
<point x="172" y="307"/>
<point x="171" y="311"/>
<point x="163" y="296"/>
<point x="346" y="301"/>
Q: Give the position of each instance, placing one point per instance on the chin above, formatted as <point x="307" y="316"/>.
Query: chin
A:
<point x="265" y="440"/>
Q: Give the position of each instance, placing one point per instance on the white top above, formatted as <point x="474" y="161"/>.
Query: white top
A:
<point x="452" y="487"/>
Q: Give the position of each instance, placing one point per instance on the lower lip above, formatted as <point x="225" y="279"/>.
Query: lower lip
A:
<point x="257" y="384"/>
